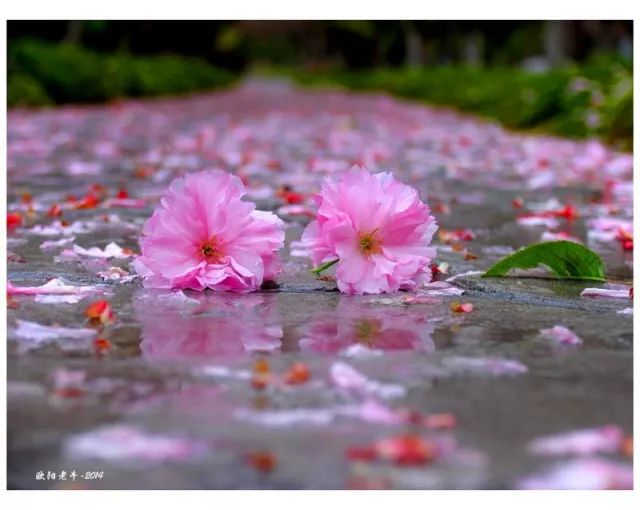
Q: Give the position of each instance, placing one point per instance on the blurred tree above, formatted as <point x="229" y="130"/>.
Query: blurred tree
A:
<point x="74" y="32"/>
<point x="556" y="41"/>
<point x="350" y="44"/>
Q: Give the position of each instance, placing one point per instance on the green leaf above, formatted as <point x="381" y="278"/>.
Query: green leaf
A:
<point x="326" y="265"/>
<point x="566" y="259"/>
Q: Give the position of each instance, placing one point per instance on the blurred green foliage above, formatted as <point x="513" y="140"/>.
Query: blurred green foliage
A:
<point x="42" y="73"/>
<point x="591" y="99"/>
<point x="594" y="98"/>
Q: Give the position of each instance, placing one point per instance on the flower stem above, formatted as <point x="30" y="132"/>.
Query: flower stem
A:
<point x="326" y="265"/>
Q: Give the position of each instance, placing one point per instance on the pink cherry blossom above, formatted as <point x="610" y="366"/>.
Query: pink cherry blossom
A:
<point x="204" y="236"/>
<point x="377" y="227"/>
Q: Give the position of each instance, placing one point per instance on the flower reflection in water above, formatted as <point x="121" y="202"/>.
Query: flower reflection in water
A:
<point x="175" y="325"/>
<point x="374" y="327"/>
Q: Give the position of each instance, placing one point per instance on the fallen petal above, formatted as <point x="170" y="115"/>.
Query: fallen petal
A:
<point x="54" y="286"/>
<point x="581" y="474"/>
<point x="562" y="335"/>
<point x="346" y="377"/>
<point x="609" y="293"/>
<point x="607" y="439"/>
<point x="489" y="366"/>
<point x="118" y="443"/>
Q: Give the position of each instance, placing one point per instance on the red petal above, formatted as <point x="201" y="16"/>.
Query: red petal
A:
<point x="298" y="374"/>
<point x="101" y="344"/>
<point x="13" y="220"/>
<point x="54" y="211"/>
<point x="406" y="450"/>
<point x="100" y="311"/>
<point x="362" y="453"/>
<point x="262" y="461"/>
<point x="461" y="307"/>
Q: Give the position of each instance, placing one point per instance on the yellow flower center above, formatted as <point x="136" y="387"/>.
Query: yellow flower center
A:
<point x="210" y="251"/>
<point x="369" y="243"/>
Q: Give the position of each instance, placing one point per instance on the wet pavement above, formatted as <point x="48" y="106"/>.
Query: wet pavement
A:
<point x="202" y="390"/>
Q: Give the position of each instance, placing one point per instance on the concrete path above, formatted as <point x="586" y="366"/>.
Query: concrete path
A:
<point x="403" y="392"/>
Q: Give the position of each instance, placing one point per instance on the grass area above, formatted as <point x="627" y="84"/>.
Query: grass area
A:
<point x="42" y="73"/>
<point x="591" y="100"/>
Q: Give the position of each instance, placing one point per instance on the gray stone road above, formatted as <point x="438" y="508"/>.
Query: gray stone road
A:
<point x="171" y="405"/>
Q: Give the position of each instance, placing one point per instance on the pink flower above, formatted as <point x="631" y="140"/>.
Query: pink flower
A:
<point x="204" y="236"/>
<point x="378" y="229"/>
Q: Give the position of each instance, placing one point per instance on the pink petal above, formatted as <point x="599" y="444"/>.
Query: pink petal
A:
<point x="605" y="439"/>
<point x="622" y="293"/>
<point x="562" y="335"/>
